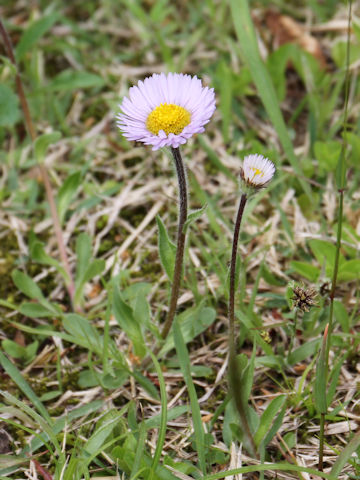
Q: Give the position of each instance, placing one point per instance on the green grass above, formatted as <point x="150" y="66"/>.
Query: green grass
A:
<point x="76" y="396"/>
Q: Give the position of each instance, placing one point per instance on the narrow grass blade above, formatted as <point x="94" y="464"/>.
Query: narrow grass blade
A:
<point x="139" y="450"/>
<point x="45" y="426"/>
<point x="19" y="380"/>
<point x="345" y="455"/>
<point x="269" y="467"/>
<point x="267" y="418"/>
<point x="248" y="43"/>
<point x="163" y="416"/>
<point x="60" y="423"/>
<point x="184" y="361"/>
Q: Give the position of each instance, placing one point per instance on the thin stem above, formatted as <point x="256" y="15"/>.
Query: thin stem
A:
<point x="233" y="268"/>
<point x="341" y="188"/>
<point x="181" y="175"/>
<point x="294" y="333"/>
<point x="234" y="373"/>
<point x="321" y="446"/>
<point x="342" y="172"/>
<point x="43" y="172"/>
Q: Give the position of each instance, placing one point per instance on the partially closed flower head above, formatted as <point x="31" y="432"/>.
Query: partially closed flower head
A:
<point x="166" y="110"/>
<point x="256" y="172"/>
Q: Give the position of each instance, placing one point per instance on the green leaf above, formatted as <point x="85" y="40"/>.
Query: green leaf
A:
<point x="33" y="33"/>
<point x="86" y="269"/>
<point x="345" y="454"/>
<point x="36" y="310"/>
<point x="13" y="349"/>
<point x="192" y="323"/>
<point x="167" y="249"/>
<point x="45" y="397"/>
<point x="172" y="414"/>
<point x="43" y="142"/>
<point x="342" y="316"/>
<point x="128" y="322"/>
<point x="349" y="271"/>
<point x="139" y="452"/>
<point x="194" y="216"/>
<point x="98" y="438"/>
<point x="184" y="361"/>
<point x="83" y="254"/>
<point x="95" y="268"/>
<point x="27" y="285"/>
<point x="9" y="110"/>
<point x="267" y="418"/>
<point x="325" y="255"/>
<point x="327" y="154"/>
<point x="306" y="270"/>
<point x="305" y="351"/>
<point x="73" y="80"/>
<point x="66" y="194"/>
<point x="338" y="53"/>
<point x="335" y="372"/>
<point x="81" y="329"/>
<point x="38" y="254"/>
<point x="275" y="426"/>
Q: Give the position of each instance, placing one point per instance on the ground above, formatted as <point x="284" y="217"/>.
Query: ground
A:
<point x="81" y="396"/>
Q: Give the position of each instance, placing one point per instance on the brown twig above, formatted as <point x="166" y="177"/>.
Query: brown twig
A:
<point x="43" y="172"/>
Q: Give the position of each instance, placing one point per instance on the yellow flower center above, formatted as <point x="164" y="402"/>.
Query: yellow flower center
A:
<point x="257" y="171"/>
<point x="168" y="117"/>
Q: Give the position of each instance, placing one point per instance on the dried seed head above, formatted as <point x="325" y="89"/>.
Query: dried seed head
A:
<point x="304" y="298"/>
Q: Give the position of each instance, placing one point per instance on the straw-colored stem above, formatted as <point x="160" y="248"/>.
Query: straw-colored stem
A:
<point x="43" y="172"/>
<point x="181" y="175"/>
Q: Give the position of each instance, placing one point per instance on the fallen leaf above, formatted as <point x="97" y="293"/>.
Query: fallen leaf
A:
<point x="287" y="30"/>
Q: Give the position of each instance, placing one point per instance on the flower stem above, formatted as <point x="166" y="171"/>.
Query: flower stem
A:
<point x="43" y="172"/>
<point x="234" y="373"/>
<point x="233" y="269"/>
<point x="322" y="438"/>
<point x="292" y="339"/>
<point x="341" y="170"/>
<point x="181" y="175"/>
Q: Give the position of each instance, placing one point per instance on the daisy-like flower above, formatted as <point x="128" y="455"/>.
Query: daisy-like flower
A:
<point x="166" y="110"/>
<point x="256" y="172"/>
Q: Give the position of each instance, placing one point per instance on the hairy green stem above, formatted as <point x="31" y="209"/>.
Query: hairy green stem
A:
<point x="43" y="172"/>
<point x="181" y="175"/>
<point x="234" y="372"/>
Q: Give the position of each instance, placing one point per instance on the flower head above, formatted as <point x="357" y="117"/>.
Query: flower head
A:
<point x="166" y="110"/>
<point x="304" y="298"/>
<point x="256" y="172"/>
